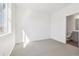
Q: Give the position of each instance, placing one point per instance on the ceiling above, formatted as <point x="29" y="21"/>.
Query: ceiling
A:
<point x="44" y="7"/>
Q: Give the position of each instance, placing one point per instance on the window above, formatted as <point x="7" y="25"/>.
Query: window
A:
<point x="5" y="18"/>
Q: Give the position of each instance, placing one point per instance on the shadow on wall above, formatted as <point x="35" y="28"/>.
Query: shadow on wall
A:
<point x="25" y="39"/>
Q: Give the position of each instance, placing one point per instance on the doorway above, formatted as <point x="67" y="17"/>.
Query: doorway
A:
<point x="72" y="29"/>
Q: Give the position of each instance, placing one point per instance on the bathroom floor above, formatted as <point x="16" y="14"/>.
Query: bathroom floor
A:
<point x="71" y="42"/>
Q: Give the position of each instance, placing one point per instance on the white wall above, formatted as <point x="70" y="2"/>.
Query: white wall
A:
<point x="7" y="43"/>
<point x="58" y="22"/>
<point x="35" y="23"/>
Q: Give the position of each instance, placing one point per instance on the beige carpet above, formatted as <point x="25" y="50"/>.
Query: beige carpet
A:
<point x="45" y="48"/>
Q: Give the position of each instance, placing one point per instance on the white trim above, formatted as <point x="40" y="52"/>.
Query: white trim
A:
<point x="5" y="34"/>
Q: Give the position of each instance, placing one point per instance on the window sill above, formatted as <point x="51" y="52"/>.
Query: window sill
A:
<point x="3" y="34"/>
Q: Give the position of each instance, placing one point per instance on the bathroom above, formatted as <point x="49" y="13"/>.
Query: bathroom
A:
<point x="72" y="29"/>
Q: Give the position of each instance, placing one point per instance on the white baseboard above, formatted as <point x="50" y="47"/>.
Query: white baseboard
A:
<point x="58" y="40"/>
